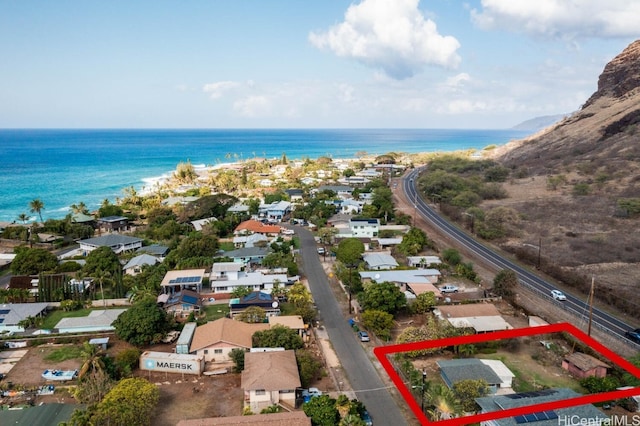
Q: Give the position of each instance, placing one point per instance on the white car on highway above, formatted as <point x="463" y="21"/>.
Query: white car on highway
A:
<point x="558" y="295"/>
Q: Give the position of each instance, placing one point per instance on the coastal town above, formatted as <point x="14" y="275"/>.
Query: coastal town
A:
<point x="226" y="295"/>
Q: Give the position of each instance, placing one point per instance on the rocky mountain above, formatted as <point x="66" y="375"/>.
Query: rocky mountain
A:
<point x="604" y="130"/>
<point x="574" y="186"/>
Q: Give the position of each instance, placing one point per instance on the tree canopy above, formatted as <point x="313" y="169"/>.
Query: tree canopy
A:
<point x="385" y="296"/>
<point x="277" y="336"/>
<point x="142" y="324"/>
<point x="32" y="261"/>
<point x="101" y="259"/>
<point x="350" y="251"/>
<point x="130" y="402"/>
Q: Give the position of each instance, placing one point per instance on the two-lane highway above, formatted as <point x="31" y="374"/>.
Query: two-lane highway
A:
<point x="601" y="319"/>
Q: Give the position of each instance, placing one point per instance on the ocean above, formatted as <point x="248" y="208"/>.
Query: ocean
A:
<point x="64" y="167"/>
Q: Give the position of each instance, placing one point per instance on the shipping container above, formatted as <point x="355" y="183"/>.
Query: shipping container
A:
<point x="184" y="341"/>
<point x="172" y="363"/>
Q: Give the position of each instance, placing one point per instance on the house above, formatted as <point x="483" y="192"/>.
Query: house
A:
<point x="378" y="261"/>
<point x="269" y="378"/>
<point x="581" y="365"/>
<point x="248" y="256"/>
<point x="117" y="243"/>
<point x="156" y="250"/>
<point x="555" y="417"/>
<point x="12" y="314"/>
<point x="364" y="227"/>
<point x="97" y="320"/>
<point x="275" y="211"/>
<point x="385" y="243"/>
<point x="495" y="373"/>
<point x="216" y="339"/>
<point x="253" y="240"/>
<point x="286" y="418"/>
<point x="423" y="261"/>
<point x="221" y="271"/>
<point x="295" y="195"/>
<point x="402" y="277"/>
<point x="134" y="266"/>
<point x="294" y="322"/>
<point x="482" y="317"/>
<point x="256" y="298"/>
<point x="251" y="226"/>
<point x="174" y="201"/>
<point x="340" y="190"/>
<point x="83" y="219"/>
<point x="181" y="304"/>
<point x="201" y="223"/>
<point x="178" y="280"/>
<point x="238" y="208"/>
<point x="113" y="223"/>
<point x="252" y="280"/>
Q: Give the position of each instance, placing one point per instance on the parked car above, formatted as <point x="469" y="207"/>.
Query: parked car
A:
<point x="449" y="289"/>
<point x="363" y="336"/>
<point x="307" y="394"/>
<point x="633" y="335"/>
<point x="558" y="295"/>
<point x="366" y="417"/>
<point x="320" y="250"/>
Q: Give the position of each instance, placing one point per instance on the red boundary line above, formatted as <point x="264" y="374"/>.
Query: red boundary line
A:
<point x="382" y="352"/>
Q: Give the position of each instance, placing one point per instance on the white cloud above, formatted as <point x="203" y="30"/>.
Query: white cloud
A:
<point x="391" y="35"/>
<point x="458" y="80"/>
<point x="561" y="19"/>
<point x="252" y="106"/>
<point x="215" y="90"/>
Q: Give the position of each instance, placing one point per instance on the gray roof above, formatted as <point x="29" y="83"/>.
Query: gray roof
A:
<point x="13" y="313"/>
<point x="141" y="260"/>
<point x="41" y="415"/>
<point x="457" y="370"/>
<point x="110" y="240"/>
<point x="375" y="260"/>
<point x="248" y="252"/>
<point x="503" y="402"/>
<point x="155" y="249"/>
<point x="97" y="318"/>
<point x="404" y="275"/>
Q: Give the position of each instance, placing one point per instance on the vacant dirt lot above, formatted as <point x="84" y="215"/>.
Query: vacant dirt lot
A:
<point x="181" y="397"/>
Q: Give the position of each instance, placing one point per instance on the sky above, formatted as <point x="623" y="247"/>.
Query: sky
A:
<point x="479" y="64"/>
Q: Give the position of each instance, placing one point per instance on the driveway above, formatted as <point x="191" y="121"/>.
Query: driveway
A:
<point x="363" y="376"/>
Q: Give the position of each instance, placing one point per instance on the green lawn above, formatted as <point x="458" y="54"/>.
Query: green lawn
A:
<point x="215" y="312"/>
<point x="52" y="319"/>
<point x="64" y="353"/>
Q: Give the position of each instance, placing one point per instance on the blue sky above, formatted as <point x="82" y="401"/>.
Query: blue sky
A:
<point x="303" y="64"/>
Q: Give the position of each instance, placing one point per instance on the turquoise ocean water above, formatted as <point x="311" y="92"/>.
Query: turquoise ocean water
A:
<point x="63" y="167"/>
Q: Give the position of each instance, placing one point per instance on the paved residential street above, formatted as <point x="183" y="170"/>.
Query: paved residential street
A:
<point x="363" y="376"/>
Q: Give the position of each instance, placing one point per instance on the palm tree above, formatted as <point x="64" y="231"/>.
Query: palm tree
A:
<point x="101" y="276"/>
<point x="36" y="206"/>
<point x="23" y="217"/>
<point x="91" y="359"/>
<point x="442" y="402"/>
<point x="80" y="208"/>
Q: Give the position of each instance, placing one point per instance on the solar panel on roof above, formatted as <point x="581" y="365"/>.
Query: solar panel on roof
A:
<point x="536" y="417"/>
<point x="4" y="311"/>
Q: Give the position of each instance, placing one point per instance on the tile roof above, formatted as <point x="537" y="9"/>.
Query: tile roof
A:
<point x="225" y="330"/>
<point x="271" y="371"/>
<point x="255" y="226"/>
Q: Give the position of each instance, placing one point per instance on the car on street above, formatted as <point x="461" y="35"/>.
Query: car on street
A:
<point x="363" y="336"/>
<point x="633" y="335"/>
<point x="366" y="417"/>
<point x="558" y="295"/>
<point x="449" y="289"/>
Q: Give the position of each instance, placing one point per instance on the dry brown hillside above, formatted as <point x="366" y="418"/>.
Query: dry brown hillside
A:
<point x="573" y="178"/>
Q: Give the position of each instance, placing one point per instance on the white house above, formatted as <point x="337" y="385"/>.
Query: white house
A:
<point x="364" y="227"/>
<point x="134" y="266"/>
<point x="254" y="281"/>
<point x="379" y="261"/>
<point x="117" y="243"/>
